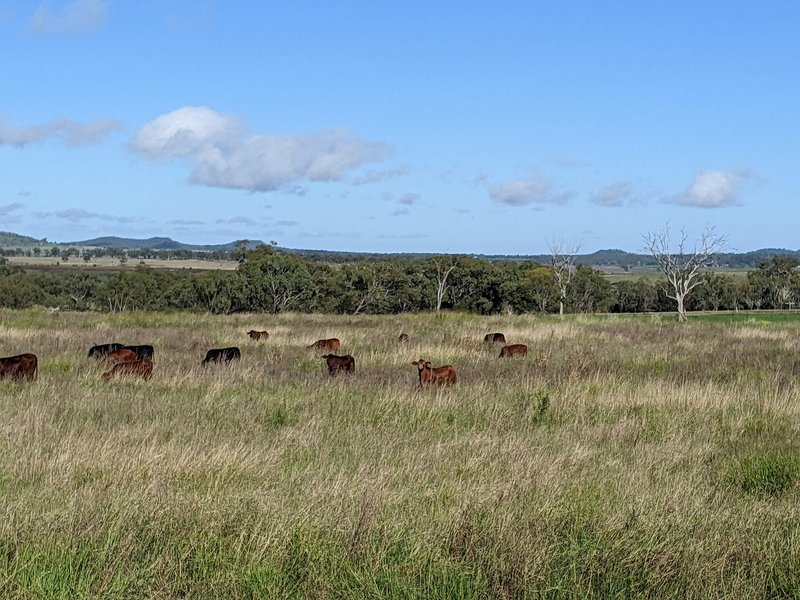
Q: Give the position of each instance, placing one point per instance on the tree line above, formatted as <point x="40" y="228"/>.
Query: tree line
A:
<point x="269" y="281"/>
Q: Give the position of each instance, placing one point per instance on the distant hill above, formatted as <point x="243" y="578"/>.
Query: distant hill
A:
<point x="609" y="259"/>
<point x="15" y="240"/>
<point x="155" y="243"/>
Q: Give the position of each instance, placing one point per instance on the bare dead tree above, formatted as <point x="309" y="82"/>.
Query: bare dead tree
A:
<point x="683" y="265"/>
<point x="562" y="261"/>
<point x="444" y="266"/>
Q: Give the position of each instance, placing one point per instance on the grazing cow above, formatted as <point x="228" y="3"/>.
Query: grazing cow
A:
<point x="498" y="338"/>
<point x="258" y="335"/>
<point x="136" y="368"/>
<point x="403" y="337"/>
<point x="514" y="350"/>
<point x="20" y="367"/>
<point x="340" y="363"/>
<point x="120" y="356"/>
<point x="102" y="350"/>
<point x="331" y="344"/>
<point x="445" y="375"/>
<point x="221" y="355"/>
<point x="143" y="352"/>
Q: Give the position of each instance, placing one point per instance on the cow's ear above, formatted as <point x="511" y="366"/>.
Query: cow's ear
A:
<point x="428" y="364"/>
<point x="414" y="363"/>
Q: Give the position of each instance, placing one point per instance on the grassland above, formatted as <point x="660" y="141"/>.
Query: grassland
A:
<point x="624" y="457"/>
<point x="108" y="264"/>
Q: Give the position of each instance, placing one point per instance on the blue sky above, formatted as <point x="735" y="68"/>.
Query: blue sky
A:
<point x="401" y="126"/>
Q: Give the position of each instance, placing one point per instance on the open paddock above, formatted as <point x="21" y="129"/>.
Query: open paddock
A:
<point x="623" y="457"/>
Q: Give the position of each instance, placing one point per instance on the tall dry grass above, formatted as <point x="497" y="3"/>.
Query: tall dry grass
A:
<point x="623" y="457"/>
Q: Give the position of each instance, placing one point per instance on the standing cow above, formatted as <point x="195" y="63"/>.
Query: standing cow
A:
<point x="20" y="367"/>
<point x="513" y="350"/>
<point x="444" y="375"/>
<point x="331" y="344"/>
<point x="137" y="368"/>
<point x="258" y="335"/>
<point x="102" y="350"/>
<point x="222" y="355"/>
<point x="497" y="338"/>
<point x="340" y="364"/>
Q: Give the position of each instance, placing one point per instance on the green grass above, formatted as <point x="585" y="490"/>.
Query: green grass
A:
<point x="624" y="457"/>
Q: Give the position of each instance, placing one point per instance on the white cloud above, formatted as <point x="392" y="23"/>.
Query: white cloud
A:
<point x="612" y="195"/>
<point x="222" y="156"/>
<point x="714" y="189"/>
<point x="528" y="191"/>
<point x="70" y="132"/>
<point x="77" y="17"/>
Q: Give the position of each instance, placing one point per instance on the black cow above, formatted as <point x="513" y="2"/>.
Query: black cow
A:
<point x="222" y="355"/>
<point x="143" y="352"/>
<point x="101" y="350"/>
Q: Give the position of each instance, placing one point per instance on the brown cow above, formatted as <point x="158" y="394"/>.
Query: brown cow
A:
<point x="340" y="363"/>
<point x="445" y="375"/>
<point x="136" y="368"/>
<point x="258" y="335"/>
<point x="20" y="367"/>
<point x="514" y="350"/>
<point x="498" y="338"/>
<point x="403" y="337"/>
<point x="120" y="356"/>
<point x="331" y="344"/>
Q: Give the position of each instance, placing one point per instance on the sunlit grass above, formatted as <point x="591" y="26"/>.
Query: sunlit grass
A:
<point x="624" y="457"/>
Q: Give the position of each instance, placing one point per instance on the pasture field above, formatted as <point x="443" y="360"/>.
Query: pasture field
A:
<point x="624" y="457"/>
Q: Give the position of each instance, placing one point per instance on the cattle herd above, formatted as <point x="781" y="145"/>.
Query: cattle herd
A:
<point x="137" y="360"/>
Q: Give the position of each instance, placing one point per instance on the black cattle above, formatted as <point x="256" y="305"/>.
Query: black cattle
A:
<point x="20" y="367"/>
<point x="222" y="355"/>
<point x="143" y="352"/>
<point x="101" y="350"/>
<point x="495" y="337"/>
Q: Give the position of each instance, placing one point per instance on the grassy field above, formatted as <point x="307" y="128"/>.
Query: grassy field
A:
<point x="624" y="457"/>
<point x="55" y="264"/>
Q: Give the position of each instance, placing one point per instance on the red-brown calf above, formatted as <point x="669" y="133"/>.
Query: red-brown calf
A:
<point x="444" y="375"/>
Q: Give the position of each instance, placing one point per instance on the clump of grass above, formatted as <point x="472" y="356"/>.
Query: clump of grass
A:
<point x="765" y="474"/>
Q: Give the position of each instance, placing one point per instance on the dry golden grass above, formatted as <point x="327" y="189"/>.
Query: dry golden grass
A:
<point x="623" y="457"/>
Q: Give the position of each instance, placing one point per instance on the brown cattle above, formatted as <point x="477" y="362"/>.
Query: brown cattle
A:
<point x="498" y="338"/>
<point x="340" y="363"/>
<point x="136" y="368"/>
<point x="514" y="350"/>
<point x="331" y="344"/>
<point x="120" y="356"/>
<point x="258" y="335"/>
<point x="403" y="337"/>
<point x="445" y="375"/>
<point x="20" y="367"/>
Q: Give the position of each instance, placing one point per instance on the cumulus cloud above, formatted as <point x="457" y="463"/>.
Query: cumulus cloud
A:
<point x="72" y="133"/>
<point x="715" y="189"/>
<point x="612" y="195"/>
<point x="523" y="192"/>
<point x="77" y="17"/>
<point x="221" y="154"/>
